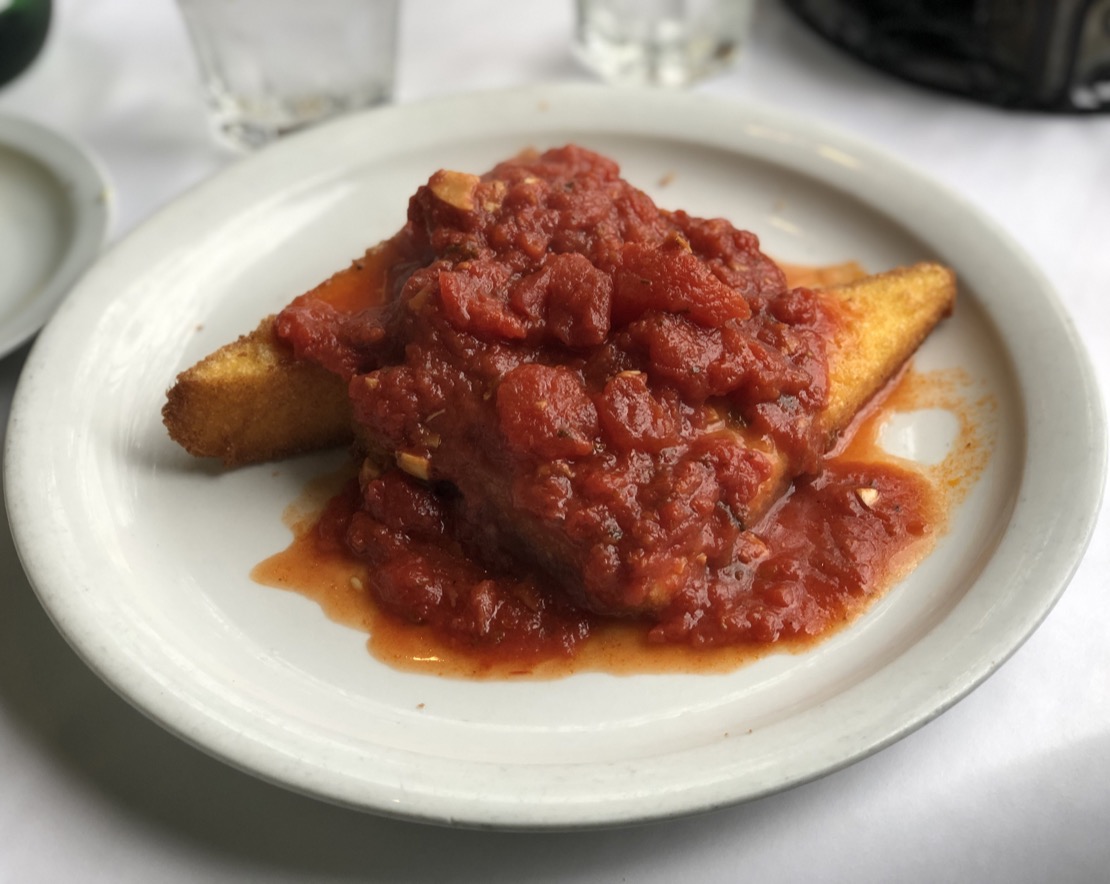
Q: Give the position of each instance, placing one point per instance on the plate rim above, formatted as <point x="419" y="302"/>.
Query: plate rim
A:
<point x="309" y="779"/>
<point x="84" y="181"/>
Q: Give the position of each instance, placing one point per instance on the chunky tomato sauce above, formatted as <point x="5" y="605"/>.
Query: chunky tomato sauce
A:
<point x="319" y="563"/>
<point x="578" y="406"/>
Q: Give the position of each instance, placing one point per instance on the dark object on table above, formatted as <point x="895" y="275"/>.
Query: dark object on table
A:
<point x="1034" y="54"/>
<point x="23" y="28"/>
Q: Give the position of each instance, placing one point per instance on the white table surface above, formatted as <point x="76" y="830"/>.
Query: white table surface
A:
<point x="1012" y="784"/>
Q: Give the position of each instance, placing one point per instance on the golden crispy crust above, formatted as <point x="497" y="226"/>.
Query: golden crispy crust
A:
<point x="884" y="319"/>
<point x="251" y="401"/>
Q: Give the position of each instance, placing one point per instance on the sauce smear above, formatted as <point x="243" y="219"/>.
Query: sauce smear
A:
<point x="829" y="551"/>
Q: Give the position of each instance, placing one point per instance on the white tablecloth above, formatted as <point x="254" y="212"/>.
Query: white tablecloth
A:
<point x="1013" y="784"/>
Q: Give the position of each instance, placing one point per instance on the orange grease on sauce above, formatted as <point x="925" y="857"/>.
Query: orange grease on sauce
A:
<point x="327" y="573"/>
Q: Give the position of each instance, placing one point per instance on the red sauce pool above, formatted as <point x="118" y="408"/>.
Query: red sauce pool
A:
<point x="883" y="540"/>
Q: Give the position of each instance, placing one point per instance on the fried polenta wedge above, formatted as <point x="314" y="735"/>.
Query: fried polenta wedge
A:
<point x="251" y="401"/>
<point x="886" y="317"/>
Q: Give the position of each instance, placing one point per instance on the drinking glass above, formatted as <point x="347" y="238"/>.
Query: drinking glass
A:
<point x="274" y="66"/>
<point x="661" y="42"/>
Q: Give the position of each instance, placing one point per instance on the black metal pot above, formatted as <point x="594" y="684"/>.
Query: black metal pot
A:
<point x="1037" y="54"/>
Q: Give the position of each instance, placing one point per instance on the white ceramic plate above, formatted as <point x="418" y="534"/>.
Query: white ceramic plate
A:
<point x="142" y="555"/>
<point x="54" y="215"/>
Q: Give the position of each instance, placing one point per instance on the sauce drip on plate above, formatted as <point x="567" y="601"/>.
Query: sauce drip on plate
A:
<point x="835" y="545"/>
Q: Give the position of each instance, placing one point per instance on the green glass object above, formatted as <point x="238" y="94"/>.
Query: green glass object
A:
<point x="23" y="27"/>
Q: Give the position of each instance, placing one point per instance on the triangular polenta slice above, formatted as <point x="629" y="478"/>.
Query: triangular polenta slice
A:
<point x="251" y="401"/>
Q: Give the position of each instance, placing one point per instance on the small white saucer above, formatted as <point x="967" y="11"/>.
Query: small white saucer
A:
<point x="54" y="217"/>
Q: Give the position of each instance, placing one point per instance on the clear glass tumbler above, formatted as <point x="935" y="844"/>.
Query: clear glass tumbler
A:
<point x="274" y="66"/>
<point x="660" y="42"/>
